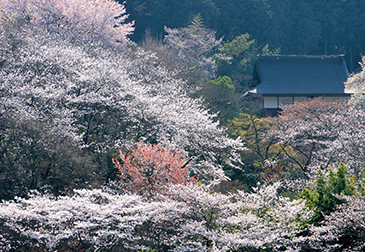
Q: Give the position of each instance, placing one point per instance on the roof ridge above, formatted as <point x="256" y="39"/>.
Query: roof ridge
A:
<point x="301" y="57"/>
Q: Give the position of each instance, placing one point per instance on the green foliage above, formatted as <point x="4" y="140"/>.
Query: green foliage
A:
<point x="223" y="83"/>
<point x="237" y="59"/>
<point x="322" y="198"/>
<point x="260" y="148"/>
<point x="220" y="97"/>
<point x="248" y="127"/>
<point x="238" y="46"/>
<point x="197" y="21"/>
<point x="266" y="51"/>
<point x="251" y="130"/>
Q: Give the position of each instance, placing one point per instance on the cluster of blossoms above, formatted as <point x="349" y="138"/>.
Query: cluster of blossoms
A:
<point x="183" y="218"/>
<point x="321" y="134"/>
<point x="101" y="97"/>
<point x="104" y="20"/>
<point x="64" y="72"/>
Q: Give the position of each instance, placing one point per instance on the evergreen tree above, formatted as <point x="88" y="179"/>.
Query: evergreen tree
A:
<point x="323" y="198"/>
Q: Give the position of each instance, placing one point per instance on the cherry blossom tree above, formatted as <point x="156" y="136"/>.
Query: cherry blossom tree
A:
<point x="102" y="98"/>
<point x="195" y="47"/>
<point x="322" y="134"/>
<point x="355" y="85"/>
<point x="100" y="19"/>
<point x="149" y="168"/>
<point x="342" y="230"/>
<point x="184" y="218"/>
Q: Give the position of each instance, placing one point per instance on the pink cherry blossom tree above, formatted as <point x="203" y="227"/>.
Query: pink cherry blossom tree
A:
<point x="149" y="168"/>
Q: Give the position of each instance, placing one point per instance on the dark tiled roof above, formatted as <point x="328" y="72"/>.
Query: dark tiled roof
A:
<point x="311" y="75"/>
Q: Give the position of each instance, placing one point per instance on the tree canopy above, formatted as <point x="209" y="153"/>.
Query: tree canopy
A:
<point x="297" y="27"/>
<point x="111" y="145"/>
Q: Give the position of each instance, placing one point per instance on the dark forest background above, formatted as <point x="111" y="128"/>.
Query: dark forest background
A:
<point x="307" y="27"/>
